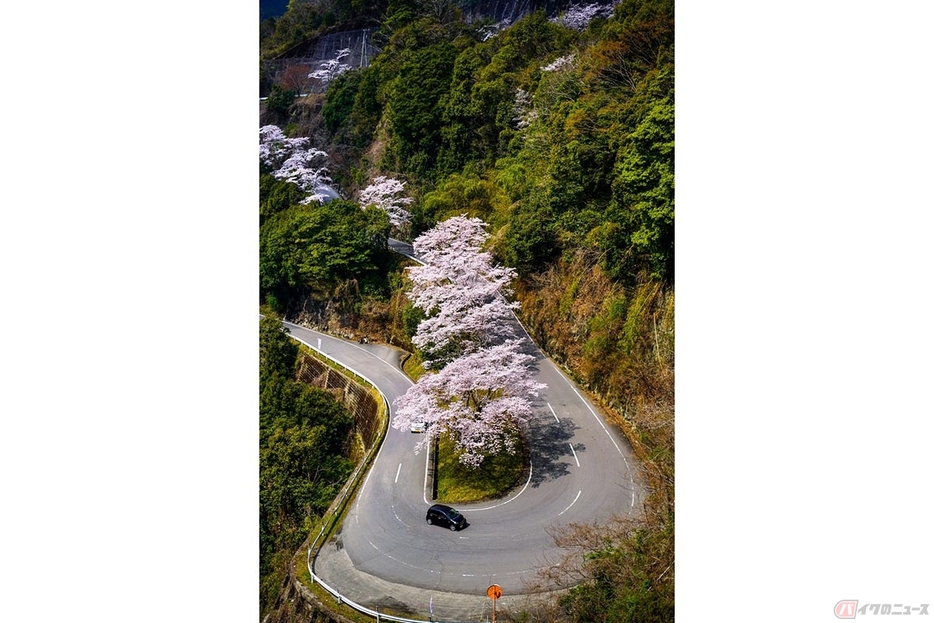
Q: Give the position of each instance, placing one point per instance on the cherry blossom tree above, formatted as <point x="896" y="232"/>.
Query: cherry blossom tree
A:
<point x="331" y="69"/>
<point x="488" y="32"/>
<point x="384" y="193"/>
<point x="481" y="401"/>
<point x="461" y="292"/>
<point x="304" y="169"/>
<point x="559" y="63"/>
<point x="275" y="146"/>
<point x="481" y="393"/>
<point x="294" y="160"/>
<point x="580" y="15"/>
<point x="523" y="113"/>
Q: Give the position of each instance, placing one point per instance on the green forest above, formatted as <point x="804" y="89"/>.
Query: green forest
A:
<point x="560" y="137"/>
<point x="304" y="438"/>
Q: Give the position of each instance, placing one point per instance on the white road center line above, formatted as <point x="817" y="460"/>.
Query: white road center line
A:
<point x="397" y="473"/>
<point x="575" y="456"/>
<point x="632" y="502"/>
<point x="570" y="505"/>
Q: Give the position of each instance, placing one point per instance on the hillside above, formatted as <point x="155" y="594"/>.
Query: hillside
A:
<point x="556" y="130"/>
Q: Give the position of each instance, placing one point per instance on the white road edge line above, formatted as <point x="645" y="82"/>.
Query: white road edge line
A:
<point x="632" y="484"/>
<point x="348" y="343"/>
<point x="570" y="505"/>
<point x="553" y="413"/>
<point x="369" y="473"/>
<point x="510" y="499"/>
<point x="425" y="486"/>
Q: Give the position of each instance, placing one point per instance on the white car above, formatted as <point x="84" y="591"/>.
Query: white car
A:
<point x="418" y="427"/>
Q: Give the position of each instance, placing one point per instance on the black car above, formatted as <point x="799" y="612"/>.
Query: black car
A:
<point x="441" y="515"/>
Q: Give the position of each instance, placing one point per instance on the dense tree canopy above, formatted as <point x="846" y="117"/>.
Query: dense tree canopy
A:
<point x="303" y="446"/>
<point x="413" y="111"/>
<point x="317" y="246"/>
<point x="558" y="132"/>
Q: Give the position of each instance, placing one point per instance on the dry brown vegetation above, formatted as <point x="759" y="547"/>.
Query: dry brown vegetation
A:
<point x="618" y="342"/>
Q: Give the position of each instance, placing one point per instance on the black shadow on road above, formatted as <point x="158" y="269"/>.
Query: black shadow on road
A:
<point x="549" y="444"/>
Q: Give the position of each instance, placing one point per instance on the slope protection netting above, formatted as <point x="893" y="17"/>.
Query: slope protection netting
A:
<point x="356" y="398"/>
<point x="362" y="48"/>
<point x="326" y="48"/>
<point x="511" y="10"/>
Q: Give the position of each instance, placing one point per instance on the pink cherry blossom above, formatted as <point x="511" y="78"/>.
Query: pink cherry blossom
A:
<point x="384" y="193"/>
<point x="481" y="394"/>
<point x="559" y="63"/>
<point x="275" y="147"/>
<point x="579" y="16"/>
<point x="293" y="160"/>
<point x="460" y="290"/>
<point x="482" y="400"/>
<point x="331" y="69"/>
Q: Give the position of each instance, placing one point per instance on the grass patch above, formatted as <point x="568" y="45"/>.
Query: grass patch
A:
<point x="340" y="609"/>
<point x="493" y="479"/>
<point x="457" y="483"/>
<point x="412" y="366"/>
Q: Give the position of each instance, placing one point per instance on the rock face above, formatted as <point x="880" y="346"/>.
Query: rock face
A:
<point x="359" y="42"/>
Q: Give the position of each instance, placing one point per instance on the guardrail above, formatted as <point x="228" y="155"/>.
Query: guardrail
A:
<point x="340" y="505"/>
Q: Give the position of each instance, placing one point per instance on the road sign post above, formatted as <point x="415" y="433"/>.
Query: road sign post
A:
<point x="494" y="593"/>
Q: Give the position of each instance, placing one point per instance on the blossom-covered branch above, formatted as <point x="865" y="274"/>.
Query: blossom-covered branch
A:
<point x="523" y="113"/>
<point x="384" y="193"/>
<point x="580" y="15"/>
<point x="460" y="290"/>
<point x="481" y="401"/>
<point x="559" y="63"/>
<point x="491" y="30"/>
<point x="331" y="69"/>
<point x="275" y="147"/>
<point x="293" y="160"/>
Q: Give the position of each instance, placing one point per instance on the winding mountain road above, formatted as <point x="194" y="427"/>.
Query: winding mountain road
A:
<point x="582" y="471"/>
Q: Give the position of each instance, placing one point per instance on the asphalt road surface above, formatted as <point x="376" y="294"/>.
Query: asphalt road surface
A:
<point x="582" y="471"/>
